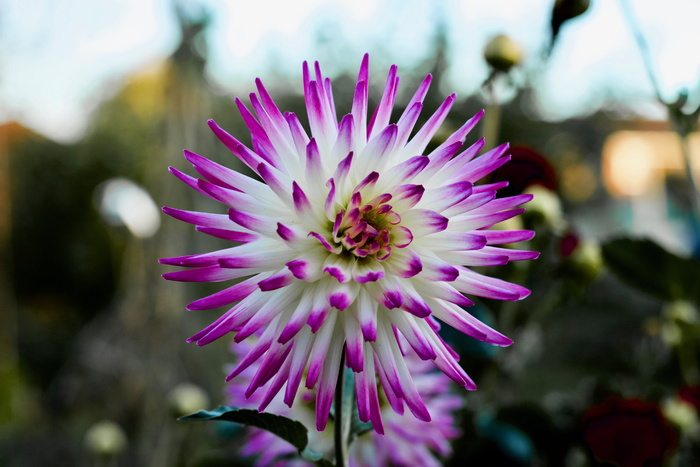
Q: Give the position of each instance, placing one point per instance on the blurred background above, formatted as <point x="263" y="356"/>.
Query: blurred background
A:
<point x="599" y="100"/>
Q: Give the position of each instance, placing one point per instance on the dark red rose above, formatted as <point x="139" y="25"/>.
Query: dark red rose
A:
<point x="691" y="395"/>
<point x="628" y="433"/>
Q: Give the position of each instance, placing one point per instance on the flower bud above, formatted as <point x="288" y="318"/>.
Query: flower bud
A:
<point x="671" y="333"/>
<point x="588" y="259"/>
<point x="545" y="207"/>
<point x="187" y="398"/>
<point x="502" y="53"/>
<point x="569" y="9"/>
<point x="682" y="312"/>
<point x="681" y="414"/>
<point x="105" y="439"/>
<point x="563" y="11"/>
<point x="681" y="322"/>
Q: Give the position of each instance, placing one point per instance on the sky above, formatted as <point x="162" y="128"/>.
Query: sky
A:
<point x="59" y="58"/>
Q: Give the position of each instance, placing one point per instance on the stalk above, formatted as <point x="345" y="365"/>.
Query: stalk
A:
<point x="342" y="405"/>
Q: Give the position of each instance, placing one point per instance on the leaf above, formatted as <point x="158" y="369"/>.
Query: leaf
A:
<point x="322" y="462"/>
<point x="647" y="266"/>
<point x="359" y="427"/>
<point x="289" y="430"/>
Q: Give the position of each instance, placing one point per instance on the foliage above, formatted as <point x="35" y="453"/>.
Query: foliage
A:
<point x="650" y="268"/>
<point x="289" y="430"/>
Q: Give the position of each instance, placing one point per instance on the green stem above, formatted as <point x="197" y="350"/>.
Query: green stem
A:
<point x="642" y="46"/>
<point x="683" y="123"/>
<point x="342" y="411"/>
<point x="492" y="124"/>
<point x="692" y="182"/>
<point x="492" y="119"/>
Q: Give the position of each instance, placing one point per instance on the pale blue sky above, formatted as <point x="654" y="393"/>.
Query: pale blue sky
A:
<point x="58" y="58"/>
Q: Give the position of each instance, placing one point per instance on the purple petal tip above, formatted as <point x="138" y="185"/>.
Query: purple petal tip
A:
<point x="339" y="300"/>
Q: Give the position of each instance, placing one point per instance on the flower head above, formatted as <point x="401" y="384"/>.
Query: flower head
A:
<point x="347" y="238"/>
<point x="408" y="441"/>
<point x="628" y="432"/>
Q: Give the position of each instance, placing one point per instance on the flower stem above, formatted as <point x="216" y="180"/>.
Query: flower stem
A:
<point x="683" y="122"/>
<point x="342" y="410"/>
<point x="642" y="45"/>
<point x="692" y="181"/>
<point x="492" y="119"/>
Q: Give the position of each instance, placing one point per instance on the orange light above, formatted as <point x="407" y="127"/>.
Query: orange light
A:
<point x="636" y="161"/>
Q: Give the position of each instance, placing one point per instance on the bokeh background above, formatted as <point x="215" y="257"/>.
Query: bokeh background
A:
<point x="599" y="100"/>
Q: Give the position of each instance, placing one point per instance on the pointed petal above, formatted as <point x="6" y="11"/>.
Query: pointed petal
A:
<point x="440" y="199"/>
<point x="227" y="296"/>
<point x="424" y="222"/>
<point x="473" y="283"/>
<point x="420" y="141"/>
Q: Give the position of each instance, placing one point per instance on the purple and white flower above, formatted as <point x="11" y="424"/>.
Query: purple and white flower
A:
<point x="408" y="442"/>
<point x="348" y="238"/>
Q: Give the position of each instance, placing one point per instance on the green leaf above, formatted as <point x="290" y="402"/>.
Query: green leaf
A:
<point x="359" y="427"/>
<point x="647" y="266"/>
<point x="316" y="458"/>
<point x="289" y="430"/>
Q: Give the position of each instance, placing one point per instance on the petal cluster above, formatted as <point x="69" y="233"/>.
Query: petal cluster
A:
<point x="408" y="442"/>
<point x="348" y="239"/>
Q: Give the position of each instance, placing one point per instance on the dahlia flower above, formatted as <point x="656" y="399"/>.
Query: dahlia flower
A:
<point x="347" y="238"/>
<point x="408" y="441"/>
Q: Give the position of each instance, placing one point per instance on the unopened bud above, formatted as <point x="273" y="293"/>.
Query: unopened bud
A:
<point x="671" y="334"/>
<point x="502" y="53"/>
<point x="681" y="414"/>
<point x="545" y="207"/>
<point x="682" y="312"/>
<point x="187" y="398"/>
<point x="588" y="259"/>
<point x="105" y="439"/>
<point x="568" y="9"/>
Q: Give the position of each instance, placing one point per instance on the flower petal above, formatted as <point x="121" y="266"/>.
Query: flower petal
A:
<point x="414" y="334"/>
<point x="473" y="283"/>
<point x="354" y="343"/>
<point x="299" y="358"/>
<point x="500" y="237"/>
<point x="434" y="268"/>
<point x="424" y="221"/>
<point x="459" y="319"/>
<point x="453" y="241"/>
<point x="213" y="273"/>
<point x="367" y="271"/>
<point x="403" y="172"/>
<point x="339" y="268"/>
<point x="366" y="312"/>
<point x="276" y="281"/>
<point x="227" y="296"/>
<point x="420" y="141"/>
<point x="319" y="352"/>
<point x="477" y="220"/>
<point x="439" y="199"/>
<point x="327" y="381"/>
<point x="381" y="116"/>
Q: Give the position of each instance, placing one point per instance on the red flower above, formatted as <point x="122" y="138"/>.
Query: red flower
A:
<point x="628" y="433"/>
<point x="691" y="395"/>
<point x="568" y="244"/>
<point x="527" y="167"/>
